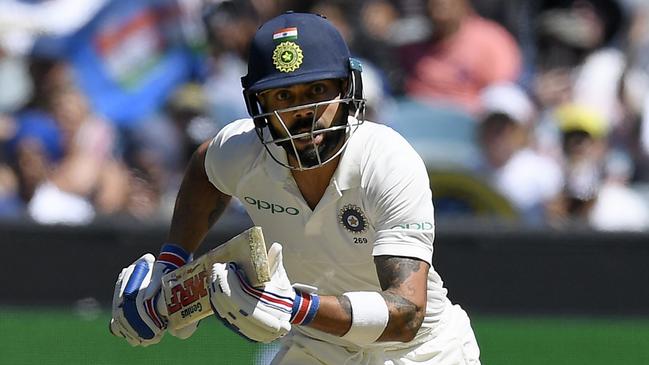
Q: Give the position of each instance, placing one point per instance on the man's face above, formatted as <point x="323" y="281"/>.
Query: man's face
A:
<point x="498" y="136"/>
<point x="446" y="14"/>
<point x="303" y="120"/>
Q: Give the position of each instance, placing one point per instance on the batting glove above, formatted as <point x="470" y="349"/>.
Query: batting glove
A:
<point x="139" y="312"/>
<point x="260" y="314"/>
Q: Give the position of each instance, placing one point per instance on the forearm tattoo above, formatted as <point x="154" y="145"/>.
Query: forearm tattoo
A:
<point x="346" y="305"/>
<point x="403" y="313"/>
<point x="393" y="273"/>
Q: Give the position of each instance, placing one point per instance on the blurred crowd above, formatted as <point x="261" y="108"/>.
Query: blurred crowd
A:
<point x="538" y="109"/>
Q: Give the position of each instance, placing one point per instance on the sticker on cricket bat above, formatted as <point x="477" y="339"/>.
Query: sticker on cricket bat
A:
<point x="185" y="289"/>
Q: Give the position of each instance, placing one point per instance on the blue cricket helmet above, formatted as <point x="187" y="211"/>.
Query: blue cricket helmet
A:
<point x="296" y="48"/>
<point x="314" y="50"/>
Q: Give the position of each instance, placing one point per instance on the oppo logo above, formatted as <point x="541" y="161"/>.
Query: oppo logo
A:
<point x="424" y="226"/>
<point x="271" y="207"/>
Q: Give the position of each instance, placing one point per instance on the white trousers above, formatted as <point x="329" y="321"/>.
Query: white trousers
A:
<point x="453" y="344"/>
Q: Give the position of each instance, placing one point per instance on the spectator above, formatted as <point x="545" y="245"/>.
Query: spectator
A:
<point x="597" y="79"/>
<point x="529" y="180"/>
<point x="157" y="149"/>
<point x="518" y="18"/>
<point x="583" y="137"/>
<point x="596" y="190"/>
<point x="618" y="207"/>
<point x="32" y="145"/>
<point x="633" y="132"/>
<point x="575" y="62"/>
<point x="464" y="54"/>
<point x="13" y="72"/>
<point x="377" y="40"/>
<point x="231" y="25"/>
<point x="87" y="179"/>
<point x="375" y="84"/>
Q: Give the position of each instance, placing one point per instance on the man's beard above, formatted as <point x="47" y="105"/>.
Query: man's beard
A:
<point x="331" y="143"/>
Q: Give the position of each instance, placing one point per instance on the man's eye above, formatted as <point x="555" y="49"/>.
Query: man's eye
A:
<point x="318" y="89"/>
<point x="283" y="95"/>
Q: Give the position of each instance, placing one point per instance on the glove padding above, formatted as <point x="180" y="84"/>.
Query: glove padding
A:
<point x="139" y="312"/>
<point x="259" y="314"/>
<point x="134" y="314"/>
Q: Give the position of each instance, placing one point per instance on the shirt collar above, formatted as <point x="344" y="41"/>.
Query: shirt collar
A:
<point x="347" y="175"/>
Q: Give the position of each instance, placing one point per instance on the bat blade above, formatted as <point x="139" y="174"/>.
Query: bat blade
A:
<point x="185" y="290"/>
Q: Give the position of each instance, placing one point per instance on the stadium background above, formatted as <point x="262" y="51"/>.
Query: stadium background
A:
<point x="566" y="293"/>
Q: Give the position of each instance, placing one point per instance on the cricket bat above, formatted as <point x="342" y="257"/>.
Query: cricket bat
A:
<point x="185" y="290"/>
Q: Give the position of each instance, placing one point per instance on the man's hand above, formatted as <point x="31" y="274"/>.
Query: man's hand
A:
<point x="137" y="316"/>
<point x="134" y="316"/>
<point x="260" y="314"/>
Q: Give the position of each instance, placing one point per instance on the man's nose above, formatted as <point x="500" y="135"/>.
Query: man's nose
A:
<point x="303" y="113"/>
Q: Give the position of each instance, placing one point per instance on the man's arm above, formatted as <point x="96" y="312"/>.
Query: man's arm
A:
<point x="137" y="314"/>
<point x="198" y="204"/>
<point x="403" y="281"/>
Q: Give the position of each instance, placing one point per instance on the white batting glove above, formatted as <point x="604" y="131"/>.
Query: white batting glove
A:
<point x="260" y="314"/>
<point x="139" y="313"/>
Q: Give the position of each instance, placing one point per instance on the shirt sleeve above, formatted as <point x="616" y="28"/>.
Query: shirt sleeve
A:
<point x="400" y="200"/>
<point x="230" y="154"/>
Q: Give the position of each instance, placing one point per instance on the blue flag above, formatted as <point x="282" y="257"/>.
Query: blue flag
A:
<point x="130" y="57"/>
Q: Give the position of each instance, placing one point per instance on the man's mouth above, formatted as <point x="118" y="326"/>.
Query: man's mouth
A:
<point x="307" y="138"/>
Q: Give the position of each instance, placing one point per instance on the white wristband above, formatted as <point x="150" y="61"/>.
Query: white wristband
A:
<point x="370" y="316"/>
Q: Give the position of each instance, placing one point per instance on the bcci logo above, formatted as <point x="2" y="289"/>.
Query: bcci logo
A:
<point x="353" y="219"/>
<point x="287" y="57"/>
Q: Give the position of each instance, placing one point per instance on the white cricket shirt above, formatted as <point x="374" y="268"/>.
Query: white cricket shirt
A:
<point x="377" y="203"/>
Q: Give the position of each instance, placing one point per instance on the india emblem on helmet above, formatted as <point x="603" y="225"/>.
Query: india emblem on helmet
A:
<point x="287" y="57"/>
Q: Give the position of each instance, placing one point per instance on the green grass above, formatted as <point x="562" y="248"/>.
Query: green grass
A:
<point x="63" y="337"/>
<point x="57" y="337"/>
<point x="559" y="341"/>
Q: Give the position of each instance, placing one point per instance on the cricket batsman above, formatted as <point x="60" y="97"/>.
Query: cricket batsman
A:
<point x="346" y="202"/>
